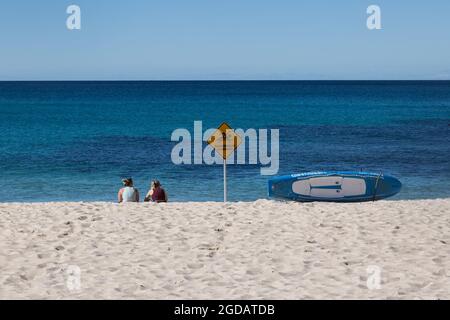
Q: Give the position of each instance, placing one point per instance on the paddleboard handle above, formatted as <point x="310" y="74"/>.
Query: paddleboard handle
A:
<point x="376" y="186"/>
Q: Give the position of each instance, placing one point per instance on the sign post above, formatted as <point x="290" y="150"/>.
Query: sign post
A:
<point x="224" y="180"/>
<point x="224" y="140"/>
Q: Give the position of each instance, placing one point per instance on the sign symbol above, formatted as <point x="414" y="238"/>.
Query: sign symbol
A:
<point x="224" y="140"/>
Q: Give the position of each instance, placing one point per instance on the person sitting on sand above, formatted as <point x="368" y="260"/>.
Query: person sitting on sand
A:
<point x="156" y="193"/>
<point x="128" y="193"/>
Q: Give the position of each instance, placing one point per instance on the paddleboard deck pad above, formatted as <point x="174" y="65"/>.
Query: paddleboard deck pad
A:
<point x="336" y="186"/>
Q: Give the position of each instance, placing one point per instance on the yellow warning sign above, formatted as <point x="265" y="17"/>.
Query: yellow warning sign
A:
<point x="224" y="140"/>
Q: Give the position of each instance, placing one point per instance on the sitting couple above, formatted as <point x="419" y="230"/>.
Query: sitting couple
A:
<point x="130" y="194"/>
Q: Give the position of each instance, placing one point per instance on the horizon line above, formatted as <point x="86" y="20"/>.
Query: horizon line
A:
<point x="230" y="80"/>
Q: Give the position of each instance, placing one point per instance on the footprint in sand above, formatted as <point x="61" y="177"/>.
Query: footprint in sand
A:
<point x="205" y="246"/>
<point x="437" y="260"/>
<point x="62" y="235"/>
<point x="195" y="265"/>
<point x="253" y="272"/>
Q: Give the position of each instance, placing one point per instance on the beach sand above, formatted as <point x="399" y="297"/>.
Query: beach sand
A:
<point x="245" y="250"/>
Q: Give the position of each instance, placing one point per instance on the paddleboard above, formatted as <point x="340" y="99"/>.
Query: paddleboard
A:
<point x="337" y="186"/>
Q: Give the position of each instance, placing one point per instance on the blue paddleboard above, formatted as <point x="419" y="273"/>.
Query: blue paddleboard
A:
<point x="341" y="186"/>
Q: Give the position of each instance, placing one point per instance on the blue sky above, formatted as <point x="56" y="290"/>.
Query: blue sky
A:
<point x="224" y="39"/>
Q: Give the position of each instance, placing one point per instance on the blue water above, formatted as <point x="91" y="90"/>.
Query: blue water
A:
<point x="75" y="140"/>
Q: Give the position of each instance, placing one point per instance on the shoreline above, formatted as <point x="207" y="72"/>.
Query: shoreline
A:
<point x="217" y="202"/>
<point x="261" y="249"/>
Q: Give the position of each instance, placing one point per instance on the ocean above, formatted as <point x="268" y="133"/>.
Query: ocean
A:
<point x="74" y="141"/>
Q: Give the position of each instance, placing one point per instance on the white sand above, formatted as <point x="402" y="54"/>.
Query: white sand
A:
<point x="262" y="249"/>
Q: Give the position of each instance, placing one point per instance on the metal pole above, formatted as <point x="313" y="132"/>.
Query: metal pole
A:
<point x="224" y="180"/>
<point x="224" y="146"/>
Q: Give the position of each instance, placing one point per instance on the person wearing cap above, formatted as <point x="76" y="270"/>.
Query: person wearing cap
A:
<point x="156" y="193"/>
<point x="128" y="193"/>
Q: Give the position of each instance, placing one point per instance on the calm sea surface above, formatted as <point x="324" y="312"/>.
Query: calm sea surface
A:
<point x="75" y="140"/>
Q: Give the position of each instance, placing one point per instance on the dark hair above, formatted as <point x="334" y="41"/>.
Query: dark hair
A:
<point x="155" y="183"/>
<point x="127" y="182"/>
